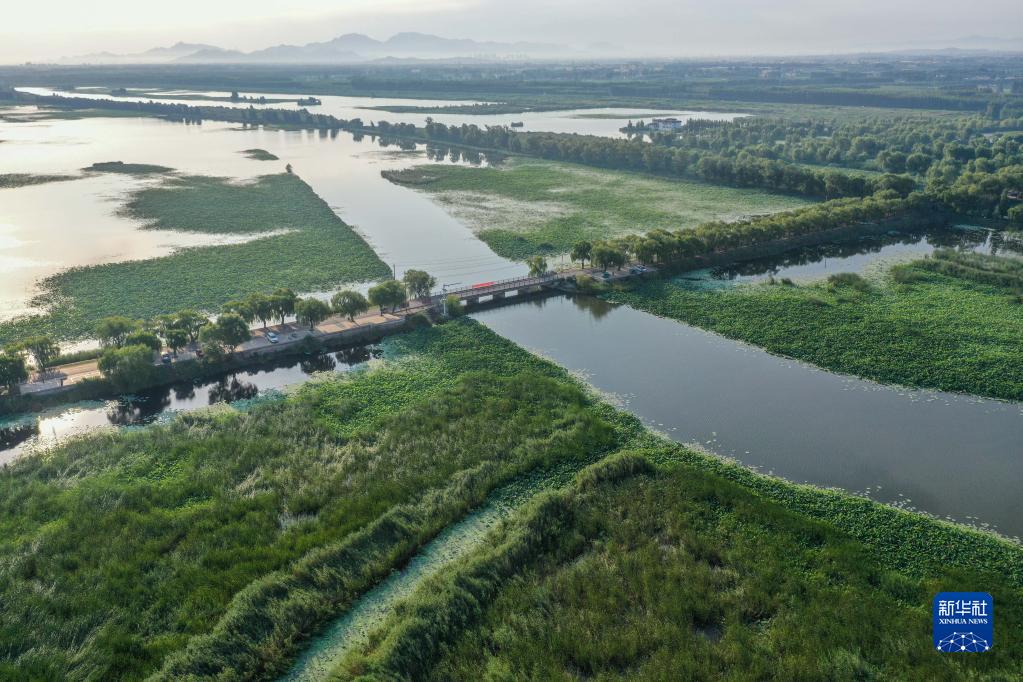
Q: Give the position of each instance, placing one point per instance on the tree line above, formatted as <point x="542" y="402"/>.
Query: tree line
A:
<point x="665" y="247"/>
<point x="128" y="346"/>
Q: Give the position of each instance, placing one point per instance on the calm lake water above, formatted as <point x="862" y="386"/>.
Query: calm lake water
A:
<point x="946" y="454"/>
<point x="406" y="229"/>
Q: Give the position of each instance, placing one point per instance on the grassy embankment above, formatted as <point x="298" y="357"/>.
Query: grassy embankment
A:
<point x="528" y="206"/>
<point x="217" y="543"/>
<point x="951" y="322"/>
<point x="653" y="572"/>
<point x="309" y="249"/>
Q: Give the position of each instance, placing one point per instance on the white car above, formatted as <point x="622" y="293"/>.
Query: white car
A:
<point x="271" y="337"/>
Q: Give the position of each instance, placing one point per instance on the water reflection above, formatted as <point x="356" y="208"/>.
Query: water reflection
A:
<point x="597" y="308"/>
<point x="21" y="435"/>
<point x="13" y="436"/>
<point x="319" y="363"/>
<point x="853" y="256"/>
<point x="131" y="410"/>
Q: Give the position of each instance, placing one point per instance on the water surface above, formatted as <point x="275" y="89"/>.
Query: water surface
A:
<point x="947" y="454"/>
<point x="25" y="433"/>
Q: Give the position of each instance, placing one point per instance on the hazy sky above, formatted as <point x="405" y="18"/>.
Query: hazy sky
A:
<point x="46" y="29"/>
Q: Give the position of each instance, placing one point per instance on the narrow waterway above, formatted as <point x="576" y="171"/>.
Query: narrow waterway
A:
<point x="458" y="540"/>
<point x="950" y="455"/>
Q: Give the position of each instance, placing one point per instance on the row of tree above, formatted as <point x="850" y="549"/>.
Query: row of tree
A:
<point x="129" y="346"/>
<point x="666" y="247"/>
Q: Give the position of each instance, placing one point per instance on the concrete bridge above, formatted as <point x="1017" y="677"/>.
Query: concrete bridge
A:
<point x="518" y="286"/>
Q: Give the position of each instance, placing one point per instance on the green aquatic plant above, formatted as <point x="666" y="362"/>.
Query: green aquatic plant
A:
<point x="946" y="325"/>
<point x="297" y="242"/>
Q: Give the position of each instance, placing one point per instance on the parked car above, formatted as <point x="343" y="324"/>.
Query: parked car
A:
<point x="272" y="337"/>
<point x="606" y="275"/>
<point x="165" y="358"/>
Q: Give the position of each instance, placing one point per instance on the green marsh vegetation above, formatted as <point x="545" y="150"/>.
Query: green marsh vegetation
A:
<point x="951" y="322"/>
<point x="12" y="180"/>
<point x="218" y="543"/>
<point x="23" y="115"/>
<point x="648" y="568"/>
<point x="529" y="207"/>
<point x="259" y="155"/>
<point x="297" y="242"/>
<point x="128" y="168"/>
<point x="299" y="504"/>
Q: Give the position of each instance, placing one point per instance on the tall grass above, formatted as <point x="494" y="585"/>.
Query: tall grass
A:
<point x="226" y="538"/>
<point x="642" y="572"/>
<point x="216" y="545"/>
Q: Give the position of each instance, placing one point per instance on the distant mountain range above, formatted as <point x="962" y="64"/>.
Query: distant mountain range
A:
<point x="963" y="44"/>
<point x="353" y="48"/>
<point x="346" y="49"/>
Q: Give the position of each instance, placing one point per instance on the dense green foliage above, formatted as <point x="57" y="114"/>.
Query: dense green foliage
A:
<point x="740" y="170"/>
<point x="13" y="370"/>
<point x="932" y="324"/>
<point x="529" y="207"/>
<point x="315" y="251"/>
<point x="219" y="542"/>
<point x="708" y="239"/>
<point x="143" y="539"/>
<point x="129" y="367"/>
<point x="639" y="572"/>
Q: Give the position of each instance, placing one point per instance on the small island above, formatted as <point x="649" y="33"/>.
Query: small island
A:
<point x="128" y="168"/>
<point x="259" y="154"/>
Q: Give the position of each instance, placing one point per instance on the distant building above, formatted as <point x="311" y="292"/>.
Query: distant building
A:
<point x="665" y="124"/>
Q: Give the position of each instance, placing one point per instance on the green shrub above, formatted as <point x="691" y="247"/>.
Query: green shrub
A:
<point x="848" y="279"/>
